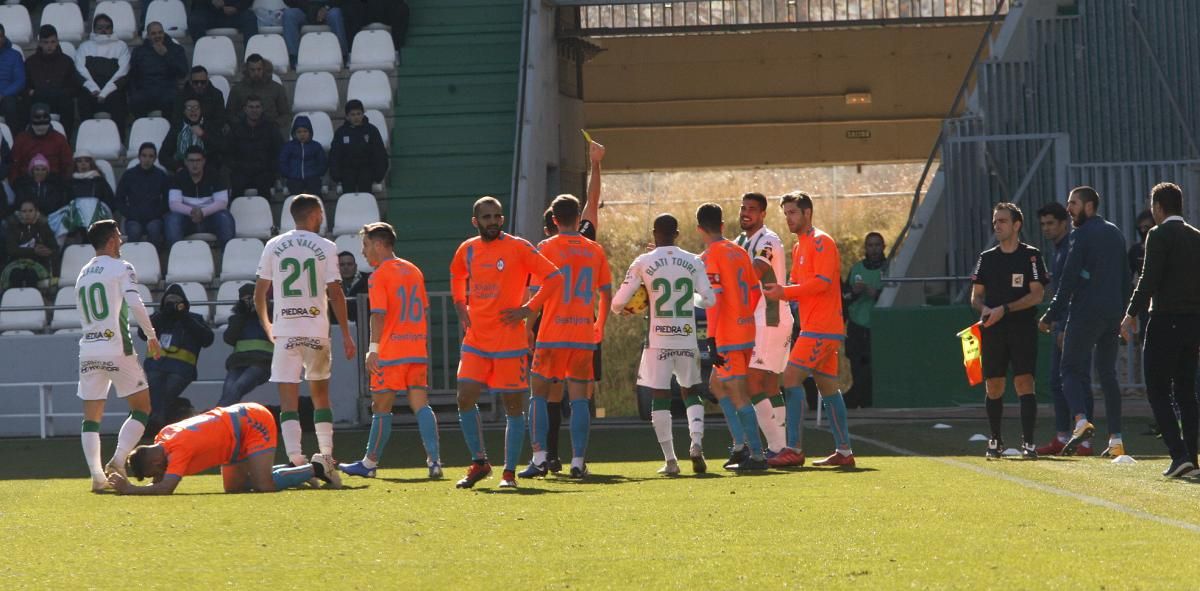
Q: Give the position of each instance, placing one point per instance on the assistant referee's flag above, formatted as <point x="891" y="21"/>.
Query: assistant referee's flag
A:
<point x="972" y="358"/>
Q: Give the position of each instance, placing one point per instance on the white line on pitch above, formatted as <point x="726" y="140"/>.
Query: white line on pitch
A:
<point x="1097" y="501"/>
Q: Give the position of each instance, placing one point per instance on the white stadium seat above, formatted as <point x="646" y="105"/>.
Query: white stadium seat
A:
<point x="315" y="91"/>
<point x="372" y="87"/>
<point x="270" y="47"/>
<point x="106" y="170"/>
<point x="58" y="126"/>
<point x="74" y="258"/>
<point x="353" y="243"/>
<point x="220" y="83"/>
<point x="17" y="26"/>
<point x="121" y="13"/>
<point x="240" y="260"/>
<point x="67" y="48"/>
<point x="67" y="20"/>
<point x="22" y="296"/>
<point x="227" y="292"/>
<point x="172" y="14"/>
<point x="100" y="137"/>
<point x="252" y="217"/>
<point x="353" y="211"/>
<point x="65" y="319"/>
<point x="375" y="117"/>
<point x="322" y="127"/>
<point x="319" y="52"/>
<point x="144" y="258"/>
<point x="190" y="260"/>
<point x="147" y="129"/>
<point x="195" y="294"/>
<point x="217" y="55"/>
<point x="373" y="50"/>
<point x="287" y="223"/>
<point x="6" y="133"/>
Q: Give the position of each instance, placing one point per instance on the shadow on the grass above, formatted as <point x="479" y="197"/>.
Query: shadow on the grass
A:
<point x="524" y="490"/>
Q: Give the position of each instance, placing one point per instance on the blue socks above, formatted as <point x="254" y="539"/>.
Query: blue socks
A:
<point x="285" y="477"/>
<point x="427" y="424"/>
<point x="539" y="422"/>
<point x="581" y="424"/>
<point x="835" y="407"/>
<point x="514" y="440"/>
<point x="749" y="422"/>
<point x="735" y="423"/>
<point x="381" y="430"/>
<point x="794" y="429"/>
<point x="472" y="432"/>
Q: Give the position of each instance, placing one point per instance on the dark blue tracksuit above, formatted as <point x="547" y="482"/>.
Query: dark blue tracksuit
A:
<point x="1062" y="410"/>
<point x="1091" y="296"/>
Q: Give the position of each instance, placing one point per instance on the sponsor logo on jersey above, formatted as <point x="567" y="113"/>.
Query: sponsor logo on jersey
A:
<point x="311" y="343"/>
<point x="98" y="335"/>
<point x="665" y="354"/>
<point x="500" y="265"/>
<point x="309" y="312"/>
<point x="671" y="330"/>
<point x="97" y="365"/>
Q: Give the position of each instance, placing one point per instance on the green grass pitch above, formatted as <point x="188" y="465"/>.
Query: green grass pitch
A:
<point x="942" y="519"/>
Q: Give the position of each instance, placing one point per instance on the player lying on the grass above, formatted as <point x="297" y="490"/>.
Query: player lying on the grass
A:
<point x="398" y="356"/>
<point x="240" y="439"/>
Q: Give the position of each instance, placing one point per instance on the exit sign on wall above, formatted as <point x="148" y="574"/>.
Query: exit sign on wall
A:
<point x="858" y="134"/>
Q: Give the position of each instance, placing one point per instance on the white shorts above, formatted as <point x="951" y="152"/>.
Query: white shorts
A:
<point x="771" y="348"/>
<point x="312" y="354"/>
<point x="658" y="365"/>
<point x="123" y="373"/>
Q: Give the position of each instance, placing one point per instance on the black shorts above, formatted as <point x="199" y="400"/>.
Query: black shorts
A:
<point x="1009" y="345"/>
<point x="597" y="369"/>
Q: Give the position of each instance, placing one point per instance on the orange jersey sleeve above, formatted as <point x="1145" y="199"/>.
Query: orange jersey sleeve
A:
<point x="816" y="284"/>
<point x="397" y="292"/>
<point x="199" y="443"/>
<point x="568" y="318"/>
<point x="494" y="276"/>
<point x="736" y="286"/>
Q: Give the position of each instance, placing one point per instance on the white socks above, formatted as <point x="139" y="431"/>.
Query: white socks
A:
<point x="291" y="442"/>
<point x="324" y="437"/>
<point x="765" y="414"/>
<point x="695" y="418"/>
<point x="131" y="432"/>
<point x="539" y="458"/>
<point x="661" y="419"/>
<point x="91" y="453"/>
<point x="577" y="463"/>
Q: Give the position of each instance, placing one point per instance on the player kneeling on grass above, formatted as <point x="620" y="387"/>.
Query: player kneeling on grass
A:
<point x="397" y="357"/>
<point x="240" y="439"/>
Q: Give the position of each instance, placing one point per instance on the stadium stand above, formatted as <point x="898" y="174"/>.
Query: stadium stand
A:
<point x="376" y="118"/>
<point x="106" y="169"/>
<point x="190" y="260"/>
<point x="67" y="20"/>
<point x="272" y="48"/>
<point x="227" y="292"/>
<point x="124" y="21"/>
<point x="352" y="243"/>
<point x="63" y="320"/>
<point x="100" y="137"/>
<point x="316" y="91"/>
<point x="353" y="211"/>
<point x="217" y="54"/>
<point x="11" y="320"/>
<point x="18" y="27"/>
<point x="147" y="129"/>
<point x="322" y="127"/>
<point x="288" y="223"/>
<point x="74" y="258"/>
<point x="172" y="14"/>
<point x="252" y="215"/>
<point x="372" y="88"/>
<point x="240" y="260"/>
<point x="196" y="294"/>
<point x="144" y="258"/>
<point x="319" y="52"/>
<point x="372" y="50"/>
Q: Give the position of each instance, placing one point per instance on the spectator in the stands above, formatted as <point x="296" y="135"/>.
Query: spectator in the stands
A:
<point x="357" y="158"/>
<point x="354" y="282"/>
<point x="860" y="292"/>
<point x="91" y="199"/>
<point x="50" y="78"/>
<point x="103" y="63"/>
<point x="198" y="202"/>
<point x="31" y="248"/>
<point x="195" y="129"/>
<point x="253" y="147"/>
<point x="1137" y="252"/>
<point x="12" y="79"/>
<point x="182" y="334"/>
<point x="269" y="12"/>
<point x="312" y="12"/>
<point x="249" y="366"/>
<point x="393" y="13"/>
<point x="155" y="69"/>
<point x="302" y="160"/>
<point x="142" y="198"/>
<point x="41" y="186"/>
<point x="200" y="87"/>
<point x="40" y="138"/>
<point x="222" y="14"/>
<point x="256" y="81"/>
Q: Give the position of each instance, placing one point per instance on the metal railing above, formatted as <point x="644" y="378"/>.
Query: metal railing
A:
<point x="625" y="17"/>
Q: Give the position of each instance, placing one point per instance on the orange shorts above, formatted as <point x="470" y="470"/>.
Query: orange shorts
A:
<point x="556" y="365"/>
<point x="817" y="354"/>
<point x="253" y="431"/>
<point x="501" y="375"/>
<point x="400" y="378"/>
<point x="737" y="365"/>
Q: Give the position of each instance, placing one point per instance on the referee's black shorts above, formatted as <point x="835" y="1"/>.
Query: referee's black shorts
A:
<point x="1008" y="345"/>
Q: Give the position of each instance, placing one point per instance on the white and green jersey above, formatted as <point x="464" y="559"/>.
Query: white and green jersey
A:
<point x="765" y="245"/>
<point x="676" y="282"/>
<point x="300" y="266"/>
<point x="104" y="291"/>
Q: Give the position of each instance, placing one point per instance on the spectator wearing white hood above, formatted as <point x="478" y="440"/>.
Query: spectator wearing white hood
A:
<point x="103" y="62"/>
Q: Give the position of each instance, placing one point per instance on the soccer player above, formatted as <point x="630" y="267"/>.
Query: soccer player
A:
<point x="239" y="438"/>
<point x="731" y="335"/>
<point x="772" y="325"/>
<point x="107" y="289"/>
<point x="815" y="285"/>
<point x="300" y="267"/>
<point x="397" y="357"/>
<point x="488" y="283"/>
<point x="1007" y="286"/>
<point x="568" y="334"/>
<point x="673" y="278"/>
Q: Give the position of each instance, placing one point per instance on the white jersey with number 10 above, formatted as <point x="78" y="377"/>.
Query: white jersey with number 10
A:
<point x="673" y="278"/>
<point x="300" y="265"/>
<point x="104" y="316"/>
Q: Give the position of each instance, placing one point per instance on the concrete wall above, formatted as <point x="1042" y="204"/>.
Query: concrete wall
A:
<point x="774" y="98"/>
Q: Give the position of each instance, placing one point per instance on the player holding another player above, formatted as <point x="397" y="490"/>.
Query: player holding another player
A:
<point x="815" y="284"/>
<point x="107" y="289"/>
<point x="301" y="268"/>
<point x="239" y="438"/>
<point x="568" y="335"/>
<point x="488" y="282"/>
<point x="731" y="335"/>
<point x="674" y="279"/>
<point x="398" y="356"/>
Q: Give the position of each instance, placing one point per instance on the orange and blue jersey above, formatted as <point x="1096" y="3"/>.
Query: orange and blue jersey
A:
<point x="223" y="435"/>
<point x="568" y="320"/>
<point x="397" y="292"/>
<point x="816" y="285"/>
<point x="490" y="276"/>
<point x="731" y="273"/>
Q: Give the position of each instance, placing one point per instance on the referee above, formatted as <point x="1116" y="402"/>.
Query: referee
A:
<point x="1009" y="281"/>
<point x="1170" y="287"/>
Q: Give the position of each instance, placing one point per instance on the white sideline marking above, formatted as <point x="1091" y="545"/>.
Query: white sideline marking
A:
<point x="1097" y="501"/>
